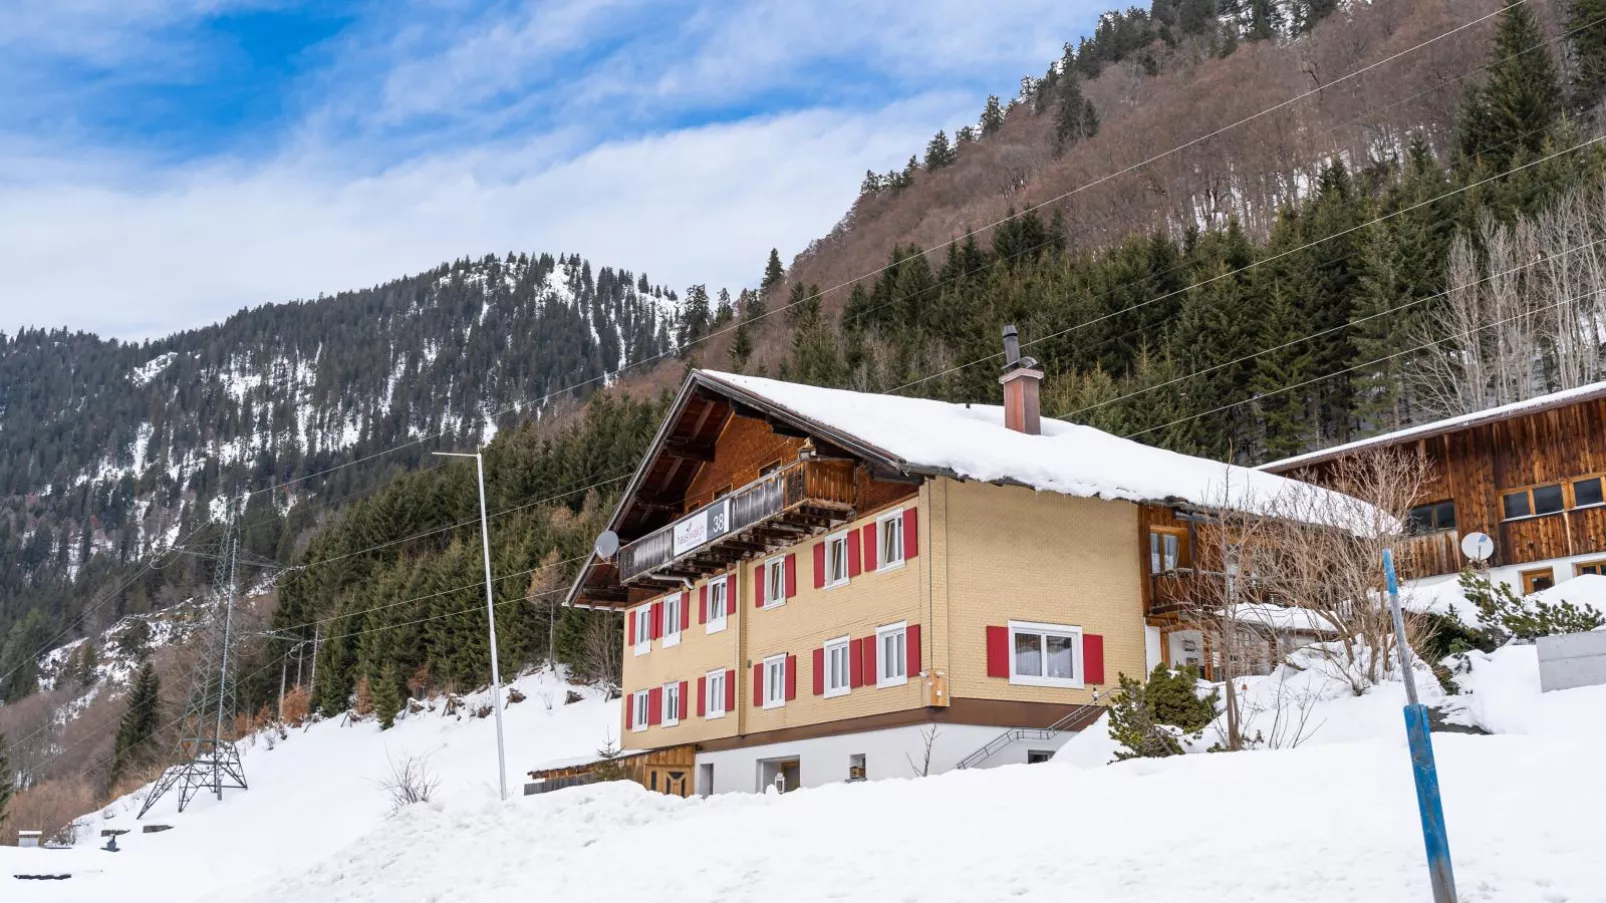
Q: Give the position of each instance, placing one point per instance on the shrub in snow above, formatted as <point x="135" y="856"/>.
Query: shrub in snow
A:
<point x="1507" y="615"/>
<point x="1149" y="718"/>
<point x="410" y="782"/>
<point x="572" y="697"/>
<point x="387" y="695"/>
<point x="608" y="767"/>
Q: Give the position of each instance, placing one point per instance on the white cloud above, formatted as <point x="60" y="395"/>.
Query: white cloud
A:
<point x="695" y="205"/>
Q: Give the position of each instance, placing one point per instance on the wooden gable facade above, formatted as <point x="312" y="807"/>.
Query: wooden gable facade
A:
<point x="1531" y="477"/>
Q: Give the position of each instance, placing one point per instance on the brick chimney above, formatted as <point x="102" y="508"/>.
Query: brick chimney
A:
<point x="1020" y="380"/>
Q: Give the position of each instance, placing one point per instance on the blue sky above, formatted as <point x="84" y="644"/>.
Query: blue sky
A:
<point x="165" y="162"/>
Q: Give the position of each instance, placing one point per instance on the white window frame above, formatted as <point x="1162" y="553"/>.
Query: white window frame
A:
<point x="671" y="637"/>
<point x="717" y="590"/>
<point x="842" y="645"/>
<point x="671" y="690"/>
<point x="883" y="677"/>
<point x="883" y="560"/>
<point x="775" y="690"/>
<point x="714" y="693"/>
<point x="1036" y="627"/>
<point x="640" y="710"/>
<point x="775" y="582"/>
<point x="836" y="551"/>
<point x="643" y="616"/>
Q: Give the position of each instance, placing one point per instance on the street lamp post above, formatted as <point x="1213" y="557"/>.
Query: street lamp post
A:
<point x="490" y="615"/>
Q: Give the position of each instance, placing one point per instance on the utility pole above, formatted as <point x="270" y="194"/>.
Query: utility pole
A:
<point x="490" y="614"/>
<point x="312" y="688"/>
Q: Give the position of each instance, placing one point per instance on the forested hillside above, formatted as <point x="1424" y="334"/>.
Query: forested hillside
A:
<point x="109" y="450"/>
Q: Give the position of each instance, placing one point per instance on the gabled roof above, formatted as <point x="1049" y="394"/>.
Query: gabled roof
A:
<point x="1447" y="425"/>
<point x="919" y="437"/>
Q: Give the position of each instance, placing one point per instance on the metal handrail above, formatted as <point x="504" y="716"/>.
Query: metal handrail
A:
<point x="1020" y="733"/>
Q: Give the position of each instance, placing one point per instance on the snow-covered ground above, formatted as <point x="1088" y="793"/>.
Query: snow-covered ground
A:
<point x="311" y="794"/>
<point x="1334" y="819"/>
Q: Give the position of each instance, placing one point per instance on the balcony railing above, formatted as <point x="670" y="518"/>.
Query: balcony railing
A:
<point x="762" y="514"/>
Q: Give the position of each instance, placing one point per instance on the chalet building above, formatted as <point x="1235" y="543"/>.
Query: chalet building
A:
<point x="1528" y="474"/>
<point x="821" y="585"/>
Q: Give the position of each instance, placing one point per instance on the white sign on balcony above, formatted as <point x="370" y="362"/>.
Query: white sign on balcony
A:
<point x="697" y="529"/>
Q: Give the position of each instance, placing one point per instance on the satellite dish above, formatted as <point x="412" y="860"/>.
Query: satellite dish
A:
<point x="607" y="543"/>
<point x="1477" y="546"/>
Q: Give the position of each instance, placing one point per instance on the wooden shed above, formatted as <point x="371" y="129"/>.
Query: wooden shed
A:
<point x="665" y="770"/>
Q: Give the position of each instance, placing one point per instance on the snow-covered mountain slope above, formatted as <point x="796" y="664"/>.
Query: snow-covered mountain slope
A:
<point x="1326" y="821"/>
<point x="317" y="791"/>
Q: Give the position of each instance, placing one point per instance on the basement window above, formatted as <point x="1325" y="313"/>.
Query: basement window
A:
<point x="1045" y="655"/>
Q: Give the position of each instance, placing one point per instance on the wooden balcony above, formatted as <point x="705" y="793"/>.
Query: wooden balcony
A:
<point x="769" y="513"/>
<point x="1186" y="590"/>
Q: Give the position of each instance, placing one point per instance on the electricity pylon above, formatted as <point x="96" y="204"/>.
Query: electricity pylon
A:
<point x="207" y="757"/>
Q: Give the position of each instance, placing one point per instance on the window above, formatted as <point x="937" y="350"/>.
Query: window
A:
<point x="1598" y="568"/>
<point x="1538" y="579"/>
<point x="775" y="582"/>
<point x="671" y="704"/>
<point x="889" y="536"/>
<point x="856" y="767"/>
<point x="891" y="660"/>
<point x="640" y="711"/>
<point x="1045" y="655"/>
<point x="714" y="694"/>
<point x="1532" y="502"/>
<point x="836" y="668"/>
<point x="1167" y="550"/>
<point x="836" y="560"/>
<point x="1431" y="518"/>
<point x="1037" y="756"/>
<point x="643" y="617"/>
<point x="717" y="604"/>
<point x="672" y="620"/>
<point x="769" y="468"/>
<point x="1587" y="492"/>
<point x="775" y="681"/>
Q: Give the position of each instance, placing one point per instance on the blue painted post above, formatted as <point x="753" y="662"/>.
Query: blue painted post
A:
<point x="1428" y="804"/>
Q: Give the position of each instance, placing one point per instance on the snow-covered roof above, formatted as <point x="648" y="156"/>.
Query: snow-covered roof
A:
<point x="1447" y="425"/>
<point x="971" y="441"/>
<point x="1282" y="617"/>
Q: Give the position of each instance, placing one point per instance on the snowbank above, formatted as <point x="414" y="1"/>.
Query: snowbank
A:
<point x="313" y="793"/>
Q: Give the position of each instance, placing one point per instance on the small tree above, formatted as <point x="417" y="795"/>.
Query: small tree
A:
<point x="137" y="729"/>
<point x="1506" y="615"/>
<point x="7" y="783"/>
<point x="608" y="766"/>
<point x="939" y="152"/>
<point x="774" y="273"/>
<point x="992" y="116"/>
<point x="1148" y="719"/>
<point x="387" y="697"/>
<point x="135" y="639"/>
<point x="88" y="661"/>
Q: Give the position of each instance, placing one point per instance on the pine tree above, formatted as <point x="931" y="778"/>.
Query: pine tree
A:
<point x="694" y="317"/>
<point x="992" y="116"/>
<point x="1510" y="115"/>
<point x="774" y="274"/>
<point x="88" y="661"/>
<point x="939" y="152"/>
<point x="1586" y="21"/>
<point x="741" y="349"/>
<point x="724" y="311"/>
<point x="965" y="135"/>
<point x="137" y="729"/>
<point x="7" y="784"/>
<point x="387" y="696"/>
<point x="1075" y="118"/>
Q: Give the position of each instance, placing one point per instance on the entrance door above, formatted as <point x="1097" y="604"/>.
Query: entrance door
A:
<point x="676" y="781"/>
<point x="705" y="779"/>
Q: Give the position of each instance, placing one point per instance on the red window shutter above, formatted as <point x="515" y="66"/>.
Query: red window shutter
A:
<point x="730" y="690"/>
<point x="758" y="684"/>
<point x="1092" y="658"/>
<point x="683" y="701"/>
<point x="911" y="532"/>
<point x="630" y="619"/>
<point x="869" y="547"/>
<point x="702" y="605"/>
<point x="998" y="652"/>
<point x="855" y="663"/>
<point x="702" y="697"/>
<point x="853" y="553"/>
<point x="791" y="677"/>
<point x="657" y="620"/>
<point x="871" y="675"/>
<point x="819" y="671"/>
<point x="911" y="641"/>
<point x="758" y="584"/>
<point x="655" y="705"/>
<point x="791" y="575"/>
<point x="730" y="594"/>
<point x="819" y="565"/>
<point x="685" y="611"/>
